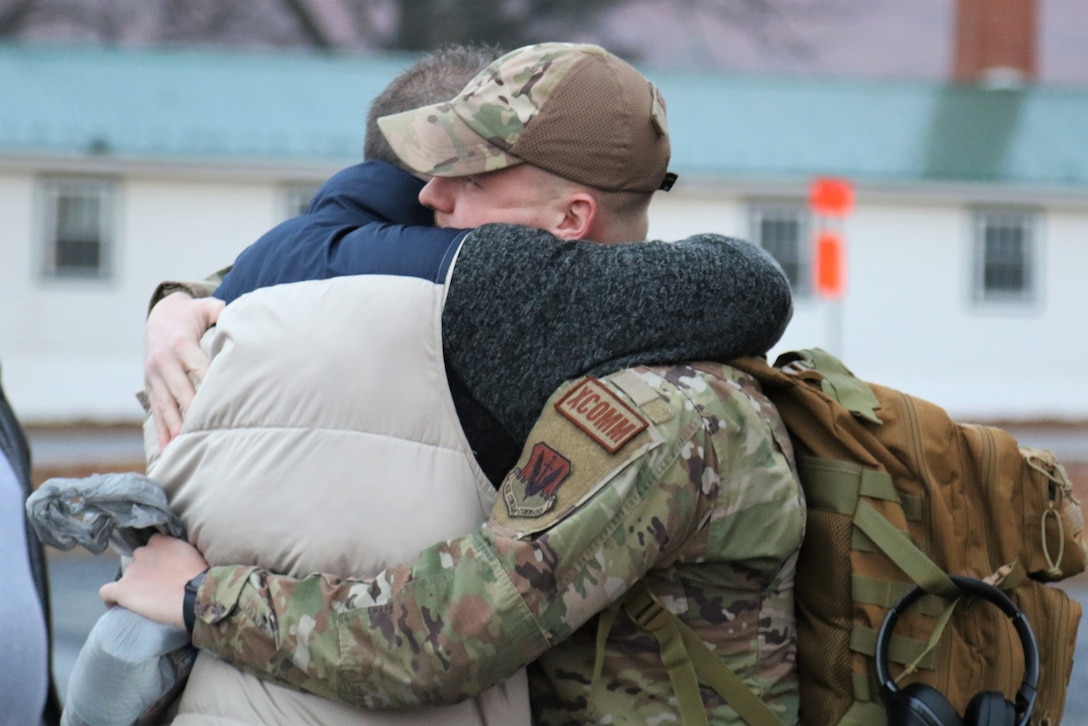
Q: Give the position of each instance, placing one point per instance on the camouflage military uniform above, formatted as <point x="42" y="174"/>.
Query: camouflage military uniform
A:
<point x="679" y="476"/>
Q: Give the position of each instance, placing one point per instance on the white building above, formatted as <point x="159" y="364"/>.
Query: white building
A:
<point x="966" y="247"/>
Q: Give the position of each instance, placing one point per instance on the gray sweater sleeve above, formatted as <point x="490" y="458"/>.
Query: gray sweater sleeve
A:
<point x="526" y="311"/>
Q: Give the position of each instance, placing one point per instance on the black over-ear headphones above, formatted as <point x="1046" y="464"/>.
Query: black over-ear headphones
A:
<point x="920" y="705"/>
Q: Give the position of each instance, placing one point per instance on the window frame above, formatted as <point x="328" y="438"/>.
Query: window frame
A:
<point x="759" y="210"/>
<point x="53" y="190"/>
<point x="1027" y="222"/>
<point x="296" y="198"/>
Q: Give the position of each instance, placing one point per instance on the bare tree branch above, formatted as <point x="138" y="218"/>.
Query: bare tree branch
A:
<point x="13" y="16"/>
<point x="412" y="25"/>
<point x="192" y="20"/>
<point x="70" y="19"/>
<point x="308" y="24"/>
<point x="365" y="18"/>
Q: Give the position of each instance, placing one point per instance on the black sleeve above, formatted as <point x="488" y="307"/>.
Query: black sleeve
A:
<point x="526" y="311"/>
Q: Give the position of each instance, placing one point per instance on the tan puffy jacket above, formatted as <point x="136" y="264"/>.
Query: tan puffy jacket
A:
<point x="324" y="439"/>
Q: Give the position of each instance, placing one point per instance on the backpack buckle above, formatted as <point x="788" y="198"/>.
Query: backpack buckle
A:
<point x="644" y="609"/>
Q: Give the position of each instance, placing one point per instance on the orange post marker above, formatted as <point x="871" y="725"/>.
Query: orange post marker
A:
<point x="831" y="197"/>
<point x="830" y="265"/>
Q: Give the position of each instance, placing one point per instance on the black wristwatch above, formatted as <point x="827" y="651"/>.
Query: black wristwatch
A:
<point x="188" y="603"/>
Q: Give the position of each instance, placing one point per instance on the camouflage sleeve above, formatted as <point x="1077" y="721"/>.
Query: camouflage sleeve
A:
<point x="202" y="288"/>
<point x="578" y="520"/>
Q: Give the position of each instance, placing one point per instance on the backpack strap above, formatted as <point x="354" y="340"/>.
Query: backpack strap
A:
<point x="838" y="382"/>
<point x="838" y="486"/>
<point x="687" y="659"/>
<point x="768" y="376"/>
<point x="904" y="553"/>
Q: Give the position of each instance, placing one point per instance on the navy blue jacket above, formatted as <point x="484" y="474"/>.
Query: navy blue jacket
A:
<point x="365" y="219"/>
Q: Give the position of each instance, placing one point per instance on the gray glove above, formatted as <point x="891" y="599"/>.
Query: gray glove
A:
<point x="122" y="510"/>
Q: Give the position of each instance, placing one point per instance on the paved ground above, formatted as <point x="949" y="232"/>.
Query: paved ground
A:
<point x="76" y="577"/>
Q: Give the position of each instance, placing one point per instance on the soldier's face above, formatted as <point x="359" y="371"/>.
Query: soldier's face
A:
<point x="520" y="194"/>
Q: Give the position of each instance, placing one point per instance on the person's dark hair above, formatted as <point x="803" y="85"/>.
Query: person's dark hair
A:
<point x="434" y="78"/>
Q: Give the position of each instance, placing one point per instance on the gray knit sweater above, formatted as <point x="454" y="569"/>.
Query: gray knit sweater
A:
<point x="526" y="312"/>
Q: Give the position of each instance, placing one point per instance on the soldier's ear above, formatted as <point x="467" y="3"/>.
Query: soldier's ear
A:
<point x="578" y="213"/>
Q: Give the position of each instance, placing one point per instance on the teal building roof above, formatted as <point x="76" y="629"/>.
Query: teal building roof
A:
<point x="187" y="103"/>
<point x="295" y="108"/>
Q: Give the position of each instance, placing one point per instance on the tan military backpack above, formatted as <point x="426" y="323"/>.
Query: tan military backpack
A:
<point x="900" y="495"/>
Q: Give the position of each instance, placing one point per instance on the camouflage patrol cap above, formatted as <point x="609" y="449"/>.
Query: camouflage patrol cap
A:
<point x="574" y="110"/>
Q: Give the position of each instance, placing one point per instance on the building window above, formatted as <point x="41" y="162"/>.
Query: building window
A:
<point x="782" y="228"/>
<point x="78" y="227"/>
<point x="1004" y="255"/>
<point x="297" y="198"/>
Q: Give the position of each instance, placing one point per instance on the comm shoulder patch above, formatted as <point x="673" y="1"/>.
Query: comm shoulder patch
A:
<point x="561" y="468"/>
<point x="600" y="414"/>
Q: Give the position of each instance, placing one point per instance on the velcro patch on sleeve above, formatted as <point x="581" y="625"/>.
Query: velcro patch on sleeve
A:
<point x="561" y="468"/>
<point x="530" y="490"/>
<point x="600" y="414"/>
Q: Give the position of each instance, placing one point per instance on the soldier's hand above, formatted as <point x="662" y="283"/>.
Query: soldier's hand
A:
<point x="174" y="362"/>
<point x="153" y="584"/>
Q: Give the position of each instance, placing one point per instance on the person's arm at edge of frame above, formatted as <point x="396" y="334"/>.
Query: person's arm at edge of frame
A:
<point x="433" y="633"/>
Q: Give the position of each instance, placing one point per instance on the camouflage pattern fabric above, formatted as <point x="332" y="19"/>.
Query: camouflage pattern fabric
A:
<point x="199" y="289"/>
<point x="496" y="106"/>
<point x="480" y="129"/>
<point x="682" y="476"/>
